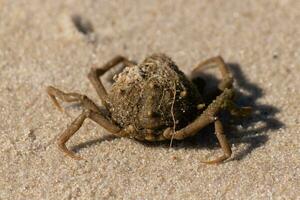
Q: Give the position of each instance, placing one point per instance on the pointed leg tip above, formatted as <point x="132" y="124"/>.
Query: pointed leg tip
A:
<point x="216" y="161"/>
<point x="76" y="157"/>
<point x="72" y="155"/>
<point x="210" y="162"/>
<point x="69" y="153"/>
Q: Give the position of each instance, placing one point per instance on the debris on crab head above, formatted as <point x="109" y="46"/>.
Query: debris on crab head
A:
<point x="153" y="95"/>
<point x="130" y="75"/>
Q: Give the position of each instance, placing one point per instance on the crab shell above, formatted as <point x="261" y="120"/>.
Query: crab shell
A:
<point x="153" y="96"/>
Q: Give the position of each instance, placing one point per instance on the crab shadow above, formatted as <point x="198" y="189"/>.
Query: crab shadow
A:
<point x="78" y="147"/>
<point x="250" y="130"/>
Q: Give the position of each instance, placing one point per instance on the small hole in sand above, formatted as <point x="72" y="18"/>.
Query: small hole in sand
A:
<point x="84" y="26"/>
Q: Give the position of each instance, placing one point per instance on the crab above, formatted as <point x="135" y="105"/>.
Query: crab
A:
<point x="153" y="101"/>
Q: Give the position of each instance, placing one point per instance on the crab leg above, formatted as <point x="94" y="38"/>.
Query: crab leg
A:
<point x="70" y="97"/>
<point x="218" y="61"/>
<point x="238" y="111"/>
<point x="92" y="111"/>
<point x="77" y="123"/>
<point x="223" y="142"/>
<point x="95" y="74"/>
<point x="208" y="116"/>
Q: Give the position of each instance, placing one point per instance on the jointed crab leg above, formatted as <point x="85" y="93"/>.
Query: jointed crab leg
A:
<point x="223" y="142"/>
<point x="77" y="123"/>
<point x="95" y="74"/>
<point x="238" y="111"/>
<point x="223" y="101"/>
<point x="218" y="61"/>
<point x="91" y="111"/>
<point x="67" y="134"/>
<point x="70" y="97"/>
<point x="207" y="117"/>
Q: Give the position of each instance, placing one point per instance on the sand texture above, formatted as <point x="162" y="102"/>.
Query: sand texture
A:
<point x="51" y="42"/>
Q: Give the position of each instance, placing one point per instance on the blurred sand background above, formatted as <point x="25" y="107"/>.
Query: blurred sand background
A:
<point x="41" y="45"/>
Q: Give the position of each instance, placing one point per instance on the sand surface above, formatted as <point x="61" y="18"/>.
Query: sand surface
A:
<point x="56" y="42"/>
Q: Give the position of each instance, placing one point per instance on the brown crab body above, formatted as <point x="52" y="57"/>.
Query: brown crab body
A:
<point x="153" y="96"/>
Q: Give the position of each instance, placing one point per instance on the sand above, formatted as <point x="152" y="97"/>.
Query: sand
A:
<point x="57" y="42"/>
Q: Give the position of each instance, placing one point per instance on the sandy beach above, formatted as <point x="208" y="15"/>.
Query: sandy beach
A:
<point x="44" y="42"/>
